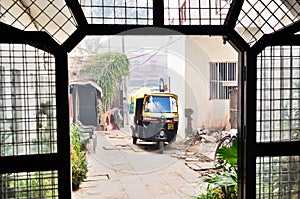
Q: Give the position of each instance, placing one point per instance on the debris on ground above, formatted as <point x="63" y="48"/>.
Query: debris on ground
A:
<point x="201" y="147"/>
<point x="198" y="151"/>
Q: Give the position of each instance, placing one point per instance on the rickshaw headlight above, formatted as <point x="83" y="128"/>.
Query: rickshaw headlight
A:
<point x="161" y="133"/>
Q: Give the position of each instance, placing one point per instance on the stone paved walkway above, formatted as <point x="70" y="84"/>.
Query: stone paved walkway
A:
<point x="118" y="169"/>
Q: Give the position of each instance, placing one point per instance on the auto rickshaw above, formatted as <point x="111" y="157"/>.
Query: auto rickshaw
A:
<point x="155" y="119"/>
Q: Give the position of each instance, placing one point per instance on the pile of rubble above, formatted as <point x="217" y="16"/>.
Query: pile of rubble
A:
<point x="200" y="149"/>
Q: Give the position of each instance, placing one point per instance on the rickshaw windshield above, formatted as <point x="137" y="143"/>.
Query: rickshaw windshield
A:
<point x="160" y="104"/>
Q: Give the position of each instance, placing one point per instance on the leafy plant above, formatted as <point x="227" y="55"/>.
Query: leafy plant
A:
<point x="28" y="185"/>
<point x="208" y="195"/>
<point x="224" y="184"/>
<point x="107" y="69"/>
<point x="78" y="158"/>
<point x="228" y="154"/>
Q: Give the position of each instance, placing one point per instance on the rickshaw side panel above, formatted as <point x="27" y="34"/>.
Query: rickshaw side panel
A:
<point x="138" y="110"/>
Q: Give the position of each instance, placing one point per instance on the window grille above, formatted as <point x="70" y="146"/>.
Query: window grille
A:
<point x="278" y="177"/>
<point x="263" y="17"/>
<point x="194" y="12"/>
<point x="27" y="98"/>
<point x="277" y="120"/>
<point x="133" y="12"/>
<point x="31" y="73"/>
<point x="52" y="16"/>
<point x="278" y="94"/>
<point x="223" y="78"/>
<point x="39" y="184"/>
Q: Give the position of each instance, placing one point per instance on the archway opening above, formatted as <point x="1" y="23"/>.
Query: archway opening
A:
<point x="201" y="70"/>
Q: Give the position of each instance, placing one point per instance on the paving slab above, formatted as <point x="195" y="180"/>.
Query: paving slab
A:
<point x="200" y="166"/>
<point x="116" y="170"/>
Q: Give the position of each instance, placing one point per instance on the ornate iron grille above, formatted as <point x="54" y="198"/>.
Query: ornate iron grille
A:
<point x="39" y="184"/>
<point x="196" y="12"/>
<point x="27" y="98"/>
<point x="52" y="16"/>
<point x="277" y="100"/>
<point x="131" y="12"/>
<point x="278" y="94"/>
<point x="263" y="17"/>
<point x="278" y="177"/>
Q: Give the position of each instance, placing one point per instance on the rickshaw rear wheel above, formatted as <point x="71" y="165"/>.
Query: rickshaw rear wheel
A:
<point x="161" y="146"/>
<point x="134" y="140"/>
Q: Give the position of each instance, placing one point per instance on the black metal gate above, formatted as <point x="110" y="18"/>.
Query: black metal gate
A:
<point x="34" y="120"/>
<point x="34" y="127"/>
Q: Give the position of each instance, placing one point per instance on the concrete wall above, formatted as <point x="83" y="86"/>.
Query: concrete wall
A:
<point x="199" y="51"/>
<point x="176" y="72"/>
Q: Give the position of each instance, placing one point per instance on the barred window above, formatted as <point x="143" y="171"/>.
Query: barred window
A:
<point x="223" y="78"/>
<point x="27" y="101"/>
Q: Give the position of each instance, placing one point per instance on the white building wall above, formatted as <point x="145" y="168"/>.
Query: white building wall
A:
<point x="176" y="72"/>
<point x="200" y="51"/>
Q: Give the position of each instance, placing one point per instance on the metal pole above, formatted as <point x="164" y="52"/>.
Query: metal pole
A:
<point x="122" y="86"/>
<point x="169" y="84"/>
<point x="121" y="101"/>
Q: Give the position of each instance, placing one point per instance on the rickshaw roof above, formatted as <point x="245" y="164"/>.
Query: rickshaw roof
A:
<point x="157" y="94"/>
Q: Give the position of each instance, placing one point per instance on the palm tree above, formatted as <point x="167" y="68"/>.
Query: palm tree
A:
<point x="107" y="69"/>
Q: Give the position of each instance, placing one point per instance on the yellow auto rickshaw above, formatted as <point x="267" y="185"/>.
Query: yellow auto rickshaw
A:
<point x="155" y="119"/>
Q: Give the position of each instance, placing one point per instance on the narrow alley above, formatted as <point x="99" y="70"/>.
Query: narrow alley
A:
<point x="120" y="169"/>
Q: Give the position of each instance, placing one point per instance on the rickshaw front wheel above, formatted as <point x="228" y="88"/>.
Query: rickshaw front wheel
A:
<point x="161" y="146"/>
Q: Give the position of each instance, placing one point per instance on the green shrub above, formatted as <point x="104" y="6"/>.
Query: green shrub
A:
<point x="224" y="184"/>
<point x="208" y="195"/>
<point x="28" y="185"/>
<point x="78" y="158"/>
